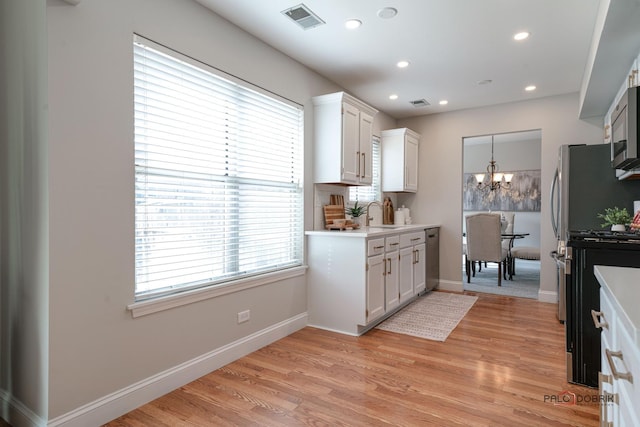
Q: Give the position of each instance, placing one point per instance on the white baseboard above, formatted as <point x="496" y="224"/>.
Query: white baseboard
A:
<point x="17" y="413"/>
<point x="548" y="296"/>
<point x="127" y="399"/>
<point x="450" y="285"/>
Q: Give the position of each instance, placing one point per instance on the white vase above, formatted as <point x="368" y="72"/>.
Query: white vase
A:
<point x="618" y="227"/>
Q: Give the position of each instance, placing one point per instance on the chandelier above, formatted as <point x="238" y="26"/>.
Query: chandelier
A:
<point x="497" y="180"/>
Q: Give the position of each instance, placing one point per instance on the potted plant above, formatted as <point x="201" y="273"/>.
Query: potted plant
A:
<point x="355" y="212"/>
<point x="616" y="218"/>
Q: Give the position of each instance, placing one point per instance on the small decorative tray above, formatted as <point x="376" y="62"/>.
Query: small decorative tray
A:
<point x="349" y="225"/>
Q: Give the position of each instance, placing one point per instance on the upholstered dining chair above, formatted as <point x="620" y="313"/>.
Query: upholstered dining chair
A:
<point x="484" y="243"/>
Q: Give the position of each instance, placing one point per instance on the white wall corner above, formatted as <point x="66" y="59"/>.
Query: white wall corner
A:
<point x="73" y="2"/>
<point x="450" y="285"/>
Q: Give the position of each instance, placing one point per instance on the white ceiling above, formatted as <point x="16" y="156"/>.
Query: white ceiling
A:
<point x="451" y="45"/>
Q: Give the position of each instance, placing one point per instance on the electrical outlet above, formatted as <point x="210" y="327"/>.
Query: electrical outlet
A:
<point x="244" y="316"/>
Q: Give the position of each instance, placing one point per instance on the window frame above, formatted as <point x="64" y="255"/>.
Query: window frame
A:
<point x="184" y="293"/>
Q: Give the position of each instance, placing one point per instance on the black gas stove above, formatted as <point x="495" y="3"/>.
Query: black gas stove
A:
<point x="584" y="250"/>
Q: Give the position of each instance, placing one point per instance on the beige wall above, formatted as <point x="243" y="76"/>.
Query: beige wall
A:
<point x="439" y="199"/>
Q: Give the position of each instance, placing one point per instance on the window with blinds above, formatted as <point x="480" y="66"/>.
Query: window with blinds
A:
<point x="218" y="176"/>
<point x="369" y="193"/>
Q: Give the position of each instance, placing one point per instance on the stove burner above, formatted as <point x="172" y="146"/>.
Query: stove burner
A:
<point x="605" y="236"/>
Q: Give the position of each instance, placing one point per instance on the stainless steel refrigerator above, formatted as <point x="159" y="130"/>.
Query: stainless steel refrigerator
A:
<point x="583" y="186"/>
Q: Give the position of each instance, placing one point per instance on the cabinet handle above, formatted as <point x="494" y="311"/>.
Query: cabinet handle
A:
<point x="378" y="247"/>
<point x="415" y="238"/>
<point x="602" y="378"/>
<point x="364" y="165"/>
<point x="394" y="244"/>
<point x="617" y="375"/>
<point x="389" y="260"/>
<point x="358" y="165"/>
<point x="596" y="321"/>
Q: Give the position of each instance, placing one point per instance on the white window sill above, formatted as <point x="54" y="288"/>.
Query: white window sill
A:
<point x="142" y="308"/>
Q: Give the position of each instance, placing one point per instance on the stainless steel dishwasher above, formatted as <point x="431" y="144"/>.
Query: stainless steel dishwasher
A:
<point x="433" y="258"/>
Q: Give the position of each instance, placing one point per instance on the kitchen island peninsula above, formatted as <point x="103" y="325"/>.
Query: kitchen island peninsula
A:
<point x="357" y="278"/>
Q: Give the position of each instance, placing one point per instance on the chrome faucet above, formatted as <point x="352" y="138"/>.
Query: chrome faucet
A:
<point x="367" y="218"/>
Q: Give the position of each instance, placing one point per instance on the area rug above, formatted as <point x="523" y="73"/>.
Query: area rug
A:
<point x="525" y="283"/>
<point x="432" y="316"/>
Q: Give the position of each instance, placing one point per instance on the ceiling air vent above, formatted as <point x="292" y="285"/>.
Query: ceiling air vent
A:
<point x="303" y="16"/>
<point x="419" y="103"/>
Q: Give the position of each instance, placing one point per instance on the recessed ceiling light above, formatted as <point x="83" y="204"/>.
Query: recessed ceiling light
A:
<point x="387" y="12"/>
<point x="352" y="24"/>
<point x="443" y="102"/>
<point x="521" y="36"/>
<point x="530" y="88"/>
<point x="393" y="97"/>
<point x="403" y="64"/>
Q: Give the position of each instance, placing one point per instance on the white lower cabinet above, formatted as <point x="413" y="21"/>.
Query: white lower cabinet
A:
<point x="376" y="267"/>
<point x="620" y="365"/>
<point x="382" y="276"/>
<point x="412" y="264"/>
<point x="391" y="275"/>
<point x="356" y="282"/>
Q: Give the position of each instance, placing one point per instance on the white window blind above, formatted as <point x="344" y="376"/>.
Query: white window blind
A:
<point x="218" y="176"/>
<point x="371" y="192"/>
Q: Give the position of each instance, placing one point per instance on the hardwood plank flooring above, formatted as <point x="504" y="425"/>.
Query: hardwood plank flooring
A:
<point x="495" y="369"/>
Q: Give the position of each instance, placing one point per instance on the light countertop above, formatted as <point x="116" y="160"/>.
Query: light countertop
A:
<point x="622" y="285"/>
<point x="374" y="230"/>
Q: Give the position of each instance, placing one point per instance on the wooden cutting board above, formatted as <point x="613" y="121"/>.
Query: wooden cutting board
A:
<point x="336" y="199"/>
<point x="332" y="212"/>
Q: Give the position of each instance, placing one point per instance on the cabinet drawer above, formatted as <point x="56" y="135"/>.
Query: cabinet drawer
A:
<point x="605" y="317"/>
<point x="392" y="243"/>
<point x="411" y="239"/>
<point x="375" y="246"/>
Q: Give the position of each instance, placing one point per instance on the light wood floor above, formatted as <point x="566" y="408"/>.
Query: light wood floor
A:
<point x="494" y="370"/>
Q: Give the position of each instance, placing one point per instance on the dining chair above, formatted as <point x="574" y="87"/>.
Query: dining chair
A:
<point x="484" y="243"/>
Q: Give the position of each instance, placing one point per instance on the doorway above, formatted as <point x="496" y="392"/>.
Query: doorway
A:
<point x="518" y="201"/>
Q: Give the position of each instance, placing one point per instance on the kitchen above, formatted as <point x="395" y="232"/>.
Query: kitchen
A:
<point x="82" y="342"/>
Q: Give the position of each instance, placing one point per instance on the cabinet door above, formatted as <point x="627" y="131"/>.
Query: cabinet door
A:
<point x="405" y="270"/>
<point x="351" y="158"/>
<point x="391" y="281"/>
<point x="419" y="268"/>
<point x="411" y="163"/>
<point x="376" y="271"/>
<point x="366" y="149"/>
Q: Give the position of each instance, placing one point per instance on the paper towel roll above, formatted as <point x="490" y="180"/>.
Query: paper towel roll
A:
<point x="636" y="206"/>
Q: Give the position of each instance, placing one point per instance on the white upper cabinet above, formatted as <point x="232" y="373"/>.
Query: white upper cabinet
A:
<point x="400" y="160"/>
<point x="343" y="140"/>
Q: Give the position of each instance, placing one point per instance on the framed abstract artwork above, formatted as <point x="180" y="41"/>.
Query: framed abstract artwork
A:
<point x="523" y="195"/>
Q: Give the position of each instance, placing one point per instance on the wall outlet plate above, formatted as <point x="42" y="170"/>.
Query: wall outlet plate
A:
<point x="244" y="316"/>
